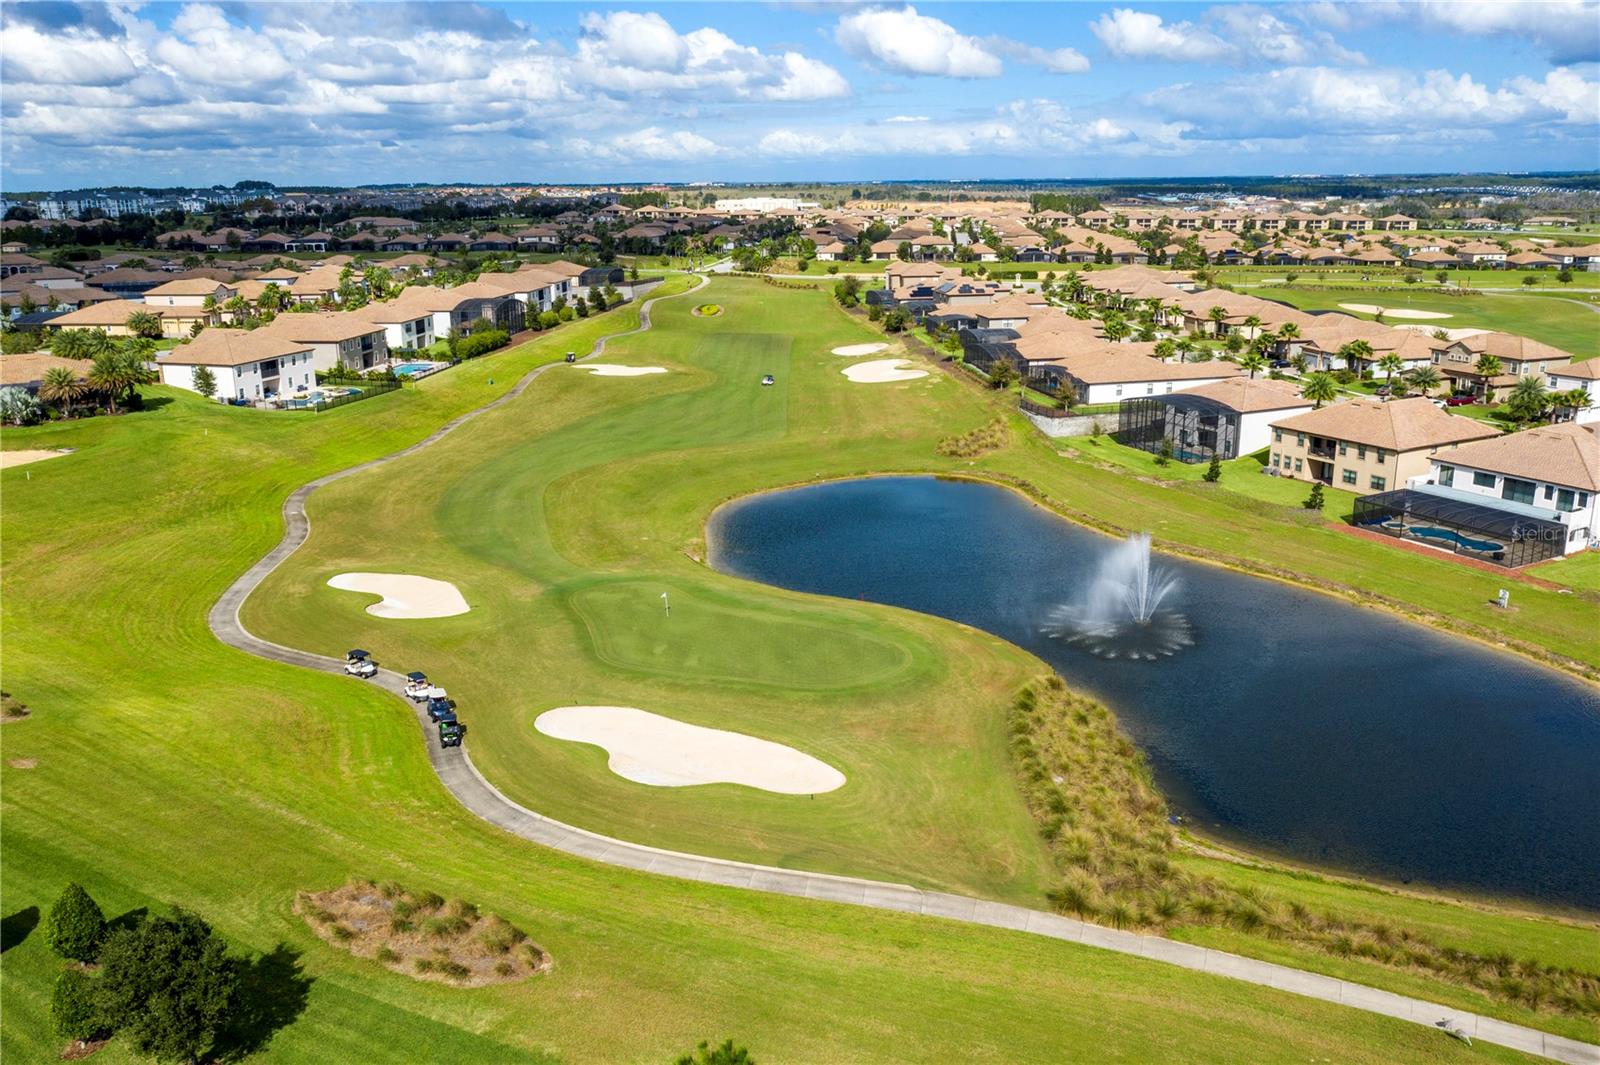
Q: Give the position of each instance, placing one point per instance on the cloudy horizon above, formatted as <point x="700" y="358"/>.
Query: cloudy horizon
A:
<point x="346" y="94"/>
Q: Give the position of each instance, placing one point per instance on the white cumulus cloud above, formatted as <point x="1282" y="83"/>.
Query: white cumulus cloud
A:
<point x="902" y="40"/>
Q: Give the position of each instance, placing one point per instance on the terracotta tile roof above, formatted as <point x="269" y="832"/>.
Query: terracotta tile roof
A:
<point x="29" y="368"/>
<point x="1399" y="425"/>
<point x="231" y="347"/>
<point x="1567" y="454"/>
<point x="322" y="327"/>
<point x="1250" y="396"/>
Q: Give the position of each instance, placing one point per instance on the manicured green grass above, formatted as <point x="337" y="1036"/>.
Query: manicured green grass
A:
<point x="1557" y="322"/>
<point x="1580" y="571"/>
<point x="171" y="768"/>
<point x="1583" y="283"/>
<point x="1242" y="475"/>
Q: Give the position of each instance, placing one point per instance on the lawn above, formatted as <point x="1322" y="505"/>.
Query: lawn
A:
<point x="1580" y="572"/>
<point x="170" y="768"/>
<point x="1560" y="323"/>
<point x="1583" y="283"/>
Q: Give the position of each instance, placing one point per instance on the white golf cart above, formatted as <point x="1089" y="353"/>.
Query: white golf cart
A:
<point x="417" y="686"/>
<point x="359" y="663"/>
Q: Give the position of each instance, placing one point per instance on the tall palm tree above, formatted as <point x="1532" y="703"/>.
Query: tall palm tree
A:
<point x="1576" y="400"/>
<point x="62" y="385"/>
<point x="1488" y="368"/>
<point x="1319" y="387"/>
<point x="80" y="343"/>
<point x="1254" y="362"/>
<point x="1217" y="316"/>
<point x="1253" y="323"/>
<point x="1354" y="353"/>
<point x="1425" y="379"/>
<point x="1391" y="364"/>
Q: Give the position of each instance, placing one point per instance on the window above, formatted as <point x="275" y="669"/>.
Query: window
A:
<point x="1300" y="439"/>
<point x="1549" y="491"/>
<point x="1361" y="451"/>
<point x="1273" y="459"/>
<point x="1583" y="500"/>
<point x="1150" y="389"/>
<point x="1378" y="483"/>
<point x="1517" y="491"/>
<point x="1482" y="480"/>
<point x="1349" y="476"/>
<point x="1381" y="454"/>
<point x="1119" y="390"/>
<point x="1344" y="447"/>
<point x="1297" y="465"/>
<point x="1447" y="475"/>
<point x="1277" y="436"/>
<point x="1566" y="500"/>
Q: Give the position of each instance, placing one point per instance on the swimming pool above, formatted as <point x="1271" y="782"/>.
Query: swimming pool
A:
<point x="1449" y="536"/>
<point x="318" y="397"/>
<point x="416" y="369"/>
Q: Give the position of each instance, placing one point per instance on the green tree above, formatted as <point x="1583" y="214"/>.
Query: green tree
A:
<point x="73" y="1007"/>
<point x="1253" y="362"/>
<point x="1002" y="374"/>
<point x="205" y="382"/>
<point x="80" y="343"/>
<point x="76" y="925"/>
<point x="1391" y="364"/>
<point x="1164" y="452"/>
<point x="895" y="321"/>
<point x="723" y="1054"/>
<point x="1214" y="470"/>
<point x="1528" y="399"/>
<point x="1314" y="501"/>
<point x="117" y="374"/>
<point x="1488" y="367"/>
<point x="1441" y="276"/>
<point x="1564" y="275"/>
<point x="1319" y="387"/>
<point x="167" y="984"/>
<point x="62" y="386"/>
<point x="1425" y="379"/>
<point x="144" y="324"/>
<point x="1355" y="353"/>
<point x="1529" y="280"/>
<point x="1165" y="349"/>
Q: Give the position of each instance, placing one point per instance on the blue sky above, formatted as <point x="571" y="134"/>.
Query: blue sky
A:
<point x="198" y="93"/>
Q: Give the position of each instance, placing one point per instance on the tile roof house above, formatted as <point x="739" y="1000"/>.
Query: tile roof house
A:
<point x="1365" y="445"/>
<point x="249" y="365"/>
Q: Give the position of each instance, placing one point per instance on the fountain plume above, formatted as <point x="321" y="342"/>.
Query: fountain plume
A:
<point x="1121" y="615"/>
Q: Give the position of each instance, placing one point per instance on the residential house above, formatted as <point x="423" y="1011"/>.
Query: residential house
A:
<point x="1226" y="418"/>
<point x="1365" y="445"/>
<point x="1554" y="468"/>
<point x="1518" y="356"/>
<point x="250" y="365"/>
<point x="1109" y="373"/>
<point x="1570" y="378"/>
<point x="335" y="338"/>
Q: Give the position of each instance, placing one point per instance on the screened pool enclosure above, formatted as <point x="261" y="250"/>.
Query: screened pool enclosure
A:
<point x="1198" y="427"/>
<point x="1493" y="530"/>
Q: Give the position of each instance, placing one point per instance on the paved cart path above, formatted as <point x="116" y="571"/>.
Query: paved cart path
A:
<point x="455" y="769"/>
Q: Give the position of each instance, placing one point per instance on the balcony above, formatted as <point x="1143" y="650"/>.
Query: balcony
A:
<point x="1321" y="449"/>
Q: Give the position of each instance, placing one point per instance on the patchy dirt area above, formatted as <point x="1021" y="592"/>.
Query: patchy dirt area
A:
<point x="421" y="934"/>
<point x="22" y="763"/>
<point x="12" y="708"/>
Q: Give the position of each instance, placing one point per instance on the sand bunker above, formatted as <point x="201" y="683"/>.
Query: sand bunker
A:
<point x="606" y="369"/>
<point x="1392" y="312"/>
<point x="404" y="596"/>
<point x="9" y="459"/>
<point x="881" y="370"/>
<point x="1453" y="334"/>
<point x="650" y="749"/>
<point x="852" y="350"/>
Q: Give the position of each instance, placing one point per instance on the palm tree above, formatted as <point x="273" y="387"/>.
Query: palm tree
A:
<point x="117" y="373"/>
<point x="1319" y="387"/>
<point x="1217" y="316"/>
<point x="62" y="385"/>
<point x="1252" y="323"/>
<point x="1165" y="349"/>
<point x="1528" y="399"/>
<point x="1425" y="379"/>
<point x="80" y="343"/>
<point x="1488" y="368"/>
<point x="1576" y="400"/>
<point x="1354" y="353"/>
<point x="144" y="324"/>
<point x="1288" y="331"/>
<point x="1254" y="362"/>
<point x="1391" y="364"/>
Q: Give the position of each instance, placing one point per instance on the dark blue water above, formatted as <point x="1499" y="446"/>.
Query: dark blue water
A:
<point x="1295" y="724"/>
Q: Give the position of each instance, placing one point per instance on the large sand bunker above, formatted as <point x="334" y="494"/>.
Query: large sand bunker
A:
<point x="1392" y="312"/>
<point x="650" y="749"/>
<point x="881" y="370"/>
<point x="404" y="596"/>
<point x="1453" y="334"/>
<point x="9" y="459"/>
<point x="607" y="369"/>
<point x="852" y="350"/>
